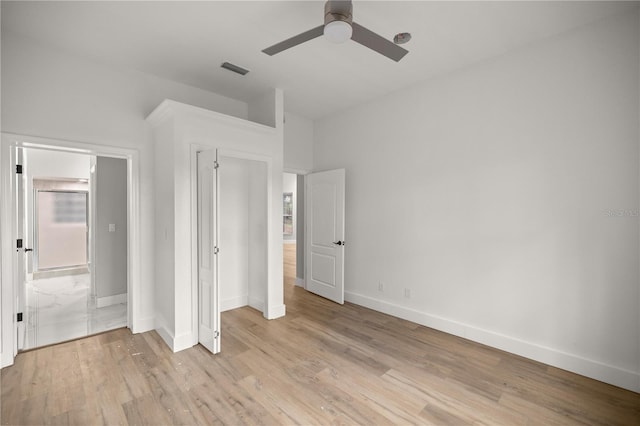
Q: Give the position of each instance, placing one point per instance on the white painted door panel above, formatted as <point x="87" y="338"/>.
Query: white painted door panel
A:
<point x="208" y="292"/>
<point x="325" y="207"/>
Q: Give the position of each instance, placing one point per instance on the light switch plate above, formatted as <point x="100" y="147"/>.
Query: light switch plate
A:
<point x="112" y="227"/>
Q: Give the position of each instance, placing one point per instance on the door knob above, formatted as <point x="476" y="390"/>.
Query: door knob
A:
<point x="338" y="243"/>
<point x="26" y="250"/>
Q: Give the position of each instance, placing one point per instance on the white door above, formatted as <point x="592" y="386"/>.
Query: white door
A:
<point x="208" y="292"/>
<point x="324" y="207"/>
<point x="22" y="252"/>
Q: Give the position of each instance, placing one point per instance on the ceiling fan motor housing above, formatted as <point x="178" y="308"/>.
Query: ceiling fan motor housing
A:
<point x="338" y="11"/>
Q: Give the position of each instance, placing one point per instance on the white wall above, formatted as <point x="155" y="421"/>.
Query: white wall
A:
<point x="298" y="143"/>
<point x="289" y="183"/>
<point x="258" y="237"/>
<point x="242" y="261"/>
<point x="505" y="198"/>
<point x="233" y="260"/>
<point x="111" y="247"/>
<point x="52" y="94"/>
<point x="42" y="163"/>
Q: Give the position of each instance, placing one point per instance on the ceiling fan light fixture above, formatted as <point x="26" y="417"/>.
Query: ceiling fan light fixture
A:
<point x="338" y="31"/>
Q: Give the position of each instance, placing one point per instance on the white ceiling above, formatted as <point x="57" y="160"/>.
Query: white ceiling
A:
<point x="187" y="41"/>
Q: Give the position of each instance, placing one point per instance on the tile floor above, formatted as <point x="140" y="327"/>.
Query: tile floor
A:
<point x="61" y="308"/>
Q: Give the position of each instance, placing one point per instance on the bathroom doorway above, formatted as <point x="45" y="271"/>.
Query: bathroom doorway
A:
<point x="75" y="283"/>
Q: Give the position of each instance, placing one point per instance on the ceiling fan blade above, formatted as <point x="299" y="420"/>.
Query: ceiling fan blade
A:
<point x="295" y="40"/>
<point x="378" y="43"/>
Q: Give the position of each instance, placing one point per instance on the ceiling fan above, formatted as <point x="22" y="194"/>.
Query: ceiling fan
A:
<point x="339" y="27"/>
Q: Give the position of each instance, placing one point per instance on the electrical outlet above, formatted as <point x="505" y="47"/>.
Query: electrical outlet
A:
<point x="407" y="293"/>
<point x="380" y="286"/>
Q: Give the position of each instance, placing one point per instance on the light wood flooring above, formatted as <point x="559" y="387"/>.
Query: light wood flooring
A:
<point x="321" y="364"/>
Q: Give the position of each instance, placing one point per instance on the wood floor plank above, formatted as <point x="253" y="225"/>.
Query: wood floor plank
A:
<point x="535" y="413"/>
<point x="280" y="400"/>
<point x="145" y="411"/>
<point x="451" y="397"/>
<point x="321" y="364"/>
<point x="231" y="403"/>
<point x="377" y="397"/>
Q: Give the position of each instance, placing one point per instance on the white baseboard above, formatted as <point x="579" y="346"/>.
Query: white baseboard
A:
<point x="275" y="312"/>
<point x="239" y="302"/>
<point x="182" y="341"/>
<point x="74" y="270"/>
<point x="143" y="324"/>
<point x="289" y="241"/>
<point x="175" y="343"/>
<point x="606" y="373"/>
<point x="256" y="304"/>
<point x="101" y="302"/>
<point x="300" y="282"/>
<point x="236" y="302"/>
<point x="6" y="359"/>
<point x="164" y="332"/>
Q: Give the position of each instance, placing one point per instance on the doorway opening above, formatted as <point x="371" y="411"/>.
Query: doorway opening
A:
<point x="14" y="252"/>
<point x="75" y="283"/>
<point x="293" y="229"/>
<point x="242" y="233"/>
<point x="233" y="217"/>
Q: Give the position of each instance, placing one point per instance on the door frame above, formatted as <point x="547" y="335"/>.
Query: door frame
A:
<point x="301" y="281"/>
<point x="226" y="152"/>
<point x="8" y="287"/>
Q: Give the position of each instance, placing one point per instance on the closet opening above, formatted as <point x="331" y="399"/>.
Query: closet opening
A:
<point x="242" y="209"/>
<point x="233" y="239"/>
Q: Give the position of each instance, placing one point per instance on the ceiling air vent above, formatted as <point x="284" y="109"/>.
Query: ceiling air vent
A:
<point x="234" y="68"/>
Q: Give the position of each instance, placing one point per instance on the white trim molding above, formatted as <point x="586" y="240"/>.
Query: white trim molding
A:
<point x="256" y="304"/>
<point x="163" y="330"/>
<point x="145" y="324"/>
<point x="606" y="373"/>
<point x="116" y="299"/>
<point x="176" y="343"/>
<point x="234" y="303"/>
<point x="275" y="312"/>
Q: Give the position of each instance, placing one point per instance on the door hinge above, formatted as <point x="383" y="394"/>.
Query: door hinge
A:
<point x="19" y="317"/>
<point x="216" y="250"/>
<point x="216" y="334"/>
<point x="19" y="243"/>
<point x="19" y="169"/>
<point x="216" y="164"/>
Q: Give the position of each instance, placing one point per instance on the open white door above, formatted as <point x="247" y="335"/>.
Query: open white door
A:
<point x="208" y="297"/>
<point x="22" y="252"/>
<point x="324" y="207"/>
